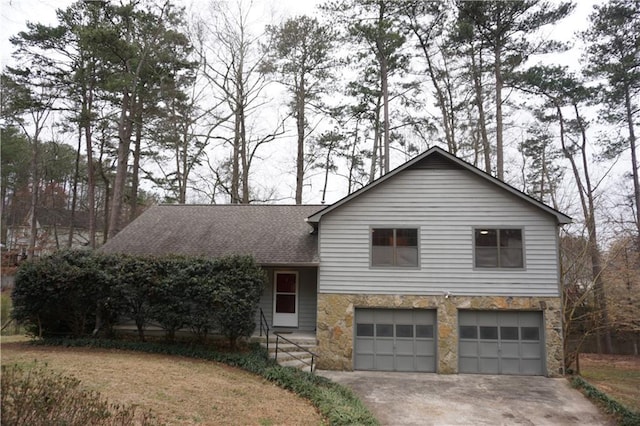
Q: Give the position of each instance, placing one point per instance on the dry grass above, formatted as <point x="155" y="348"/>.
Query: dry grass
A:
<point x="177" y="390"/>
<point x="616" y="375"/>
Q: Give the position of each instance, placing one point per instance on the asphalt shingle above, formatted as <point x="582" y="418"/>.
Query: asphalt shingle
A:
<point x="273" y="234"/>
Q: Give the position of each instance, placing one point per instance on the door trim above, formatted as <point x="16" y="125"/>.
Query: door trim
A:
<point x="286" y="319"/>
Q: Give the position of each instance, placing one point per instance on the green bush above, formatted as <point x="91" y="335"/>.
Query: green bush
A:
<point x="131" y="279"/>
<point x="80" y="292"/>
<point x="168" y="295"/>
<point x="238" y="286"/>
<point x="39" y="396"/>
<point x="625" y="416"/>
<point x="59" y="294"/>
<point x="199" y="278"/>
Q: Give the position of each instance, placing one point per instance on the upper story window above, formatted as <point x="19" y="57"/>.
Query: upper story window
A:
<point x="394" y="247"/>
<point x="498" y="248"/>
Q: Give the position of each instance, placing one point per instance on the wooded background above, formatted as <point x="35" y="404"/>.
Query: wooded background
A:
<point x="124" y="104"/>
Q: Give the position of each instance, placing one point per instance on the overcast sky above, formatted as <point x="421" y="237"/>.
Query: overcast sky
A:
<point x="15" y="13"/>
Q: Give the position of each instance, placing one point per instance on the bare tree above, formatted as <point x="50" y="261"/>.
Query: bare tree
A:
<point x="231" y="58"/>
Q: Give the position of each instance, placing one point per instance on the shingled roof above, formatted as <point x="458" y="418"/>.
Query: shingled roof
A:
<point x="274" y="234"/>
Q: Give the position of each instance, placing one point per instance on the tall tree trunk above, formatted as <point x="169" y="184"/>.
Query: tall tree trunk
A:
<point x="183" y="172"/>
<point x="596" y="258"/>
<point x="91" y="180"/>
<point x="499" y="125"/>
<point x="135" y="173"/>
<point x="300" y="99"/>
<point x="634" y="159"/>
<point x="35" y="183"/>
<point x="107" y="190"/>
<point x="585" y="191"/>
<point x="326" y="172"/>
<point x="476" y="71"/>
<point x="442" y="102"/>
<point x="244" y="157"/>
<point x="124" y="136"/>
<point x="384" y="87"/>
<point x="384" y="80"/>
<point x="352" y="162"/>
<point x="238" y="140"/>
<point x="376" y="138"/>
<point x="74" y="195"/>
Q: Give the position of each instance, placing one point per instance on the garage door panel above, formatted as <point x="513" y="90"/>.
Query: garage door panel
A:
<point x="500" y="342"/>
<point x="530" y="366"/>
<point x="384" y="362"/>
<point x="509" y="349"/>
<point x="403" y="317"/>
<point x="468" y="365"/>
<point x="365" y="316"/>
<point x="401" y="340"/>
<point x="384" y="347"/>
<point x="364" y="361"/>
<point x="487" y="319"/>
<point x="364" y="346"/>
<point x="427" y="348"/>
<point x="531" y="350"/>
<point x="529" y="319"/>
<point x="425" y="363"/>
<point x="510" y="366"/>
<point x="488" y="365"/>
<point x="404" y="347"/>
<point x="509" y="317"/>
<point x="405" y="363"/>
<point x="486" y="349"/>
<point x="383" y="315"/>
<point x="468" y="349"/>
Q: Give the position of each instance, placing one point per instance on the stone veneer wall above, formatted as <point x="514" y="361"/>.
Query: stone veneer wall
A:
<point x="336" y="314"/>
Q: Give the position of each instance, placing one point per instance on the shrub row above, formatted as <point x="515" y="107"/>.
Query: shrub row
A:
<point x="623" y="415"/>
<point x="77" y="293"/>
<point x="39" y="396"/>
<point x="335" y="402"/>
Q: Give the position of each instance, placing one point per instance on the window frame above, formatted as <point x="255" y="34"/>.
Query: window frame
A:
<point x="395" y="265"/>
<point x="499" y="267"/>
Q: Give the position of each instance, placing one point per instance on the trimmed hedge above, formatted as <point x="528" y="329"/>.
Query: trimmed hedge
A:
<point x="623" y="415"/>
<point x="79" y="293"/>
<point x="335" y="402"/>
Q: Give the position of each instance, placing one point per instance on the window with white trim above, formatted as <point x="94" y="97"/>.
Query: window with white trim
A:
<point x="498" y="248"/>
<point x="394" y="247"/>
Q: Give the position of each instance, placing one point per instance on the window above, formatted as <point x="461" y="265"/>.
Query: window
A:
<point x="498" y="248"/>
<point x="394" y="247"/>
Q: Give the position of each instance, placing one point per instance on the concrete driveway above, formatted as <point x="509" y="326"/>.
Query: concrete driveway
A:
<point x="469" y="399"/>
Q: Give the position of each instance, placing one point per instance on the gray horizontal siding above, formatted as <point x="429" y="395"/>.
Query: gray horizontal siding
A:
<point x="446" y="205"/>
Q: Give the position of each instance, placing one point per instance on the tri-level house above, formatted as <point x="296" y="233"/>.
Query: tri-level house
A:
<point x="434" y="267"/>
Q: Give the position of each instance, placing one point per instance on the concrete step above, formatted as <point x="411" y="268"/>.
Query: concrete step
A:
<point x="290" y="355"/>
<point x="287" y="356"/>
<point x="300" y="340"/>
<point x="285" y="347"/>
<point x="297" y="364"/>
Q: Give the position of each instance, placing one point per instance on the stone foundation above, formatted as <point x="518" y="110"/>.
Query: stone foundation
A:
<point x="336" y="321"/>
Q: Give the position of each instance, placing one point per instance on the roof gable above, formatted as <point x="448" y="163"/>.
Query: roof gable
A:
<point x="437" y="157"/>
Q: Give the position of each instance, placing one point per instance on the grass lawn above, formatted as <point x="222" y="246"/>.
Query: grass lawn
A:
<point x="177" y="390"/>
<point x="616" y="375"/>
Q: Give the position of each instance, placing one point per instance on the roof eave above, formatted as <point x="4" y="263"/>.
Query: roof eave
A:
<point x="289" y="264"/>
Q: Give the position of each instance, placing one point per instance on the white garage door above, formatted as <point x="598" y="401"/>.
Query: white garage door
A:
<point x="501" y="342"/>
<point x="395" y="340"/>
